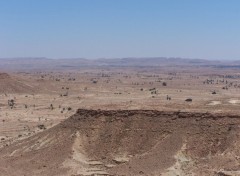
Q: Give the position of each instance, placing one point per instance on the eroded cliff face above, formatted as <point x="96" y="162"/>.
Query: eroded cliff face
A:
<point x="135" y="142"/>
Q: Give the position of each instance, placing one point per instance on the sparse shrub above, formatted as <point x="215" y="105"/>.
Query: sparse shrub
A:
<point x="41" y="127"/>
<point x="168" y="97"/>
<point x="189" y="100"/>
<point x="65" y="95"/>
<point x="152" y="89"/>
<point x="11" y="103"/>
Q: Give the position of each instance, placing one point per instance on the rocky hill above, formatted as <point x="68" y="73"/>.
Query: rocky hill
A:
<point x="135" y="142"/>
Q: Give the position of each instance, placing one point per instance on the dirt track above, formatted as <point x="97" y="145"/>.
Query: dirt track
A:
<point x="135" y="142"/>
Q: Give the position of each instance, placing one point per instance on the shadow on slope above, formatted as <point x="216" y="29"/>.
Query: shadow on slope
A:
<point x="135" y="142"/>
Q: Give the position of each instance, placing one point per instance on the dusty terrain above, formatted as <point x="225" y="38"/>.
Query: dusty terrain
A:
<point x="129" y="142"/>
<point x="133" y="120"/>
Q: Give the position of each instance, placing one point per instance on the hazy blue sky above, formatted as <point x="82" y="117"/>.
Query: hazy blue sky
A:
<point x="207" y="29"/>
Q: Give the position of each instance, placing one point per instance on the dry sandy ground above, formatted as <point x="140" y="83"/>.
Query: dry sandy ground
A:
<point x="129" y="142"/>
<point x="44" y="99"/>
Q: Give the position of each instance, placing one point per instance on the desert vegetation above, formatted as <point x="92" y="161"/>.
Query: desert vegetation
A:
<point x="36" y="103"/>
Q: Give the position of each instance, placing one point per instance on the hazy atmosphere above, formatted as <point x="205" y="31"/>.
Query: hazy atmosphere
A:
<point x="119" y="87"/>
<point x="126" y="28"/>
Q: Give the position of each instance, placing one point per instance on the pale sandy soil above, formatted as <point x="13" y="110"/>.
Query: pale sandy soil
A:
<point x="34" y="93"/>
<point x="110" y="89"/>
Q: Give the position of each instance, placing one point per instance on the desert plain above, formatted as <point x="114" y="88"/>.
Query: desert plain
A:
<point x="120" y="119"/>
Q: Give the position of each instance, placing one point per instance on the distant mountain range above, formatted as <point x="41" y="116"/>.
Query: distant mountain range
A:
<point x="19" y="64"/>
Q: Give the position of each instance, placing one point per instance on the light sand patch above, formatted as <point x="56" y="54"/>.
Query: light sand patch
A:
<point x="121" y="159"/>
<point x="80" y="164"/>
<point x="234" y="101"/>
<point x="180" y="168"/>
<point x="232" y="173"/>
<point x="213" y="103"/>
